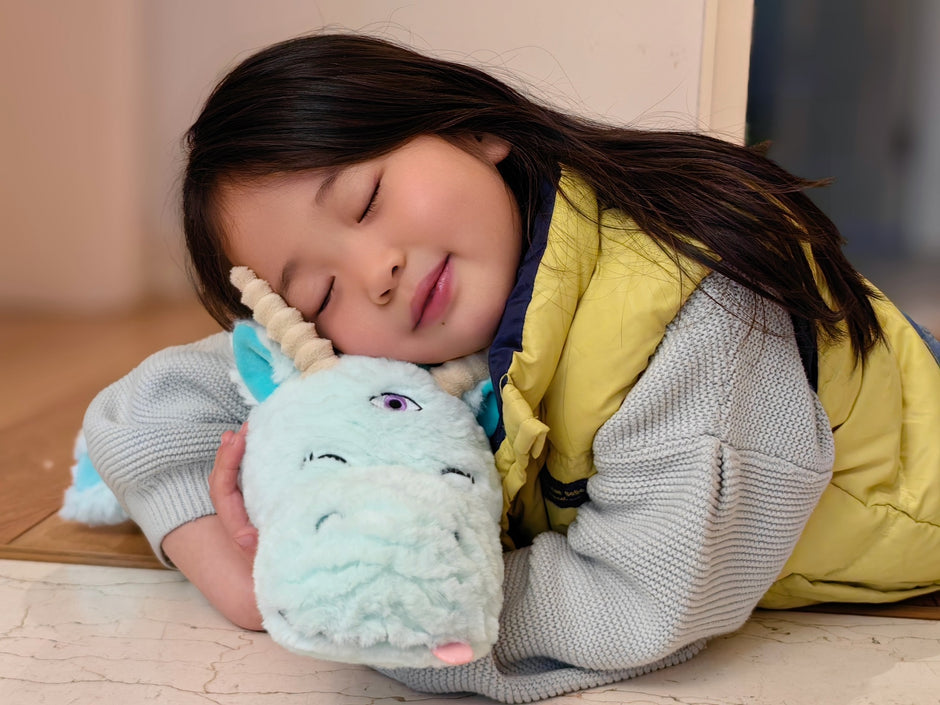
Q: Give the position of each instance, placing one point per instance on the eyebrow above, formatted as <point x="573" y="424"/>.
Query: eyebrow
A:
<point x="327" y="186"/>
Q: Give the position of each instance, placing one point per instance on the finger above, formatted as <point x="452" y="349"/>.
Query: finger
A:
<point x="228" y="458"/>
<point x="247" y="536"/>
<point x="223" y="485"/>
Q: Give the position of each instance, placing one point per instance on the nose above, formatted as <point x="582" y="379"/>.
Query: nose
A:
<point x="384" y="273"/>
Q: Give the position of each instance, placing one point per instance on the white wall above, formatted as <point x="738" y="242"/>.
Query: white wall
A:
<point x="88" y="216"/>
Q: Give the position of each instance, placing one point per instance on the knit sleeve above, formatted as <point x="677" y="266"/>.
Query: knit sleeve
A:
<point x="152" y="435"/>
<point x="705" y="478"/>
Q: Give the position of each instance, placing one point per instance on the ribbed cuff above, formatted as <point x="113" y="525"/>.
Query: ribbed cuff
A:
<point x="181" y="495"/>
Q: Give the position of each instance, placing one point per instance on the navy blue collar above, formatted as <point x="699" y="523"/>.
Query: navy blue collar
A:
<point x="508" y="337"/>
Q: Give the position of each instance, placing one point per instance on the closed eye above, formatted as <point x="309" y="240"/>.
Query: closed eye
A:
<point x="370" y="206"/>
<point x="332" y="456"/>
<point x="327" y="297"/>
<point x="455" y="471"/>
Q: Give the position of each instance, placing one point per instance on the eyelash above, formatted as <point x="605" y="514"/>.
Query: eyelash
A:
<point x="369" y="208"/>
<point x="371" y="205"/>
<point x="326" y="299"/>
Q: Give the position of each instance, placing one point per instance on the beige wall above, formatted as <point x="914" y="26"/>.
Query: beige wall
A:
<point x="70" y="140"/>
<point x="98" y="93"/>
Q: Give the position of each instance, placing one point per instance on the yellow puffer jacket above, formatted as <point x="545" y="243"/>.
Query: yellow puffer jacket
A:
<point x="875" y="534"/>
<point x="589" y="310"/>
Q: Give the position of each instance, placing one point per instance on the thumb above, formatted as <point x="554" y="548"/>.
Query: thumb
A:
<point x="247" y="539"/>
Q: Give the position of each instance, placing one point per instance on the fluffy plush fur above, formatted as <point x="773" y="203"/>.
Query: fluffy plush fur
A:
<point x="377" y="505"/>
<point x="88" y="500"/>
<point x="375" y="495"/>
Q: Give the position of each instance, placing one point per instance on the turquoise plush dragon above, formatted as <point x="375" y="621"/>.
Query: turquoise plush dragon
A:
<point x="375" y="496"/>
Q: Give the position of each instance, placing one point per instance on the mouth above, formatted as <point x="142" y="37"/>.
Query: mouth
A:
<point x="432" y="297"/>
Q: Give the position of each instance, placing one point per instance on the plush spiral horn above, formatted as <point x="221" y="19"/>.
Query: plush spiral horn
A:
<point x="298" y="338"/>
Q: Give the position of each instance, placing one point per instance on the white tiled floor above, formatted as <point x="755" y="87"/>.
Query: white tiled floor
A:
<point x="86" y="635"/>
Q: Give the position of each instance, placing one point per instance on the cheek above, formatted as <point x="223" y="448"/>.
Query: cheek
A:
<point x="420" y="202"/>
<point x="506" y="223"/>
<point x="354" y="331"/>
<point x="507" y="247"/>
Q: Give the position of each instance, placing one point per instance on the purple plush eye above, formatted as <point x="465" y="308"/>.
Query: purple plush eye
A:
<point x="395" y="402"/>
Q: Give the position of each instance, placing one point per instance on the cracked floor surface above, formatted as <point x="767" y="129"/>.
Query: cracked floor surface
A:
<point x="84" y="635"/>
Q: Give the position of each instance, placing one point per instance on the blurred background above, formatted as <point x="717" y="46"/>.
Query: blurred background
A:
<point x="97" y="94"/>
<point x="850" y="90"/>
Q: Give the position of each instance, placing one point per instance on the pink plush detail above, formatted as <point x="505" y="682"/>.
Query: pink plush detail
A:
<point x="454" y="653"/>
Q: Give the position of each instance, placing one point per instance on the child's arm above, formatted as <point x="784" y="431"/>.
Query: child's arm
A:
<point x="705" y="478"/>
<point x="153" y="437"/>
<point x="205" y="553"/>
<point x="216" y="552"/>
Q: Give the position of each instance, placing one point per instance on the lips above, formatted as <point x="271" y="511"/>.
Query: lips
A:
<point x="432" y="296"/>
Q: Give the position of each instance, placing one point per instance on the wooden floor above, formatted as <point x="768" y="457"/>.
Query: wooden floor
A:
<point x="50" y="369"/>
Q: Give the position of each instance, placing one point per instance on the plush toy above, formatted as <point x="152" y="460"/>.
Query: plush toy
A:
<point x="374" y="492"/>
<point x="375" y="496"/>
<point x="88" y="500"/>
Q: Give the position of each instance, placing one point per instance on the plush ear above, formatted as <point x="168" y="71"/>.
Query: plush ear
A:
<point x="469" y="378"/>
<point x="261" y="364"/>
<point x="482" y="400"/>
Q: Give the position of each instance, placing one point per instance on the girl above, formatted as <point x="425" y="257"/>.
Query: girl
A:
<point x="702" y="406"/>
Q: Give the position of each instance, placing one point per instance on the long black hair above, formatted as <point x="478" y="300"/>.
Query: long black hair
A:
<point x="337" y="99"/>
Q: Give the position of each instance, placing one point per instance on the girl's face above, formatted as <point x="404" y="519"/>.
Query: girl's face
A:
<point x="411" y="255"/>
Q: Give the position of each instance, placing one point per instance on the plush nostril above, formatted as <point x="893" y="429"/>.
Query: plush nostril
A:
<point x="457" y="536"/>
<point x="324" y="518"/>
<point x="456" y="471"/>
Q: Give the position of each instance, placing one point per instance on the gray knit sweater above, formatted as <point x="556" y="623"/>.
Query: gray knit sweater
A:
<point x="705" y="478"/>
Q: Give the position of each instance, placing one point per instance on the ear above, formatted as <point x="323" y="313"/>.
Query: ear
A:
<point x="482" y="401"/>
<point x="259" y="360"/>
<point x="494" y="149"/>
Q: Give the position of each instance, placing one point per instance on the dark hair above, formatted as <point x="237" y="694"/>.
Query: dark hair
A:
<point x="336" y="99"/>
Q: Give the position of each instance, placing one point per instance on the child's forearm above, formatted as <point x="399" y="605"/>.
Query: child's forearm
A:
<point x="217" y="566"/>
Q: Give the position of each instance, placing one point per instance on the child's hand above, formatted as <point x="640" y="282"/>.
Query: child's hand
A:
<point x="217" y="552"/>
<point x="226" y="495"/>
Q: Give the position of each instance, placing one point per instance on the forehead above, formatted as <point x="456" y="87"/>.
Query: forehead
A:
<point x="251" y="211"/>
<point x="242" y="200"/>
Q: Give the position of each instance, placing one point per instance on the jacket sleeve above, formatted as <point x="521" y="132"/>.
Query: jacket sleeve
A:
<point x="152" y="435"/>
<point x="705" y="478"/>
